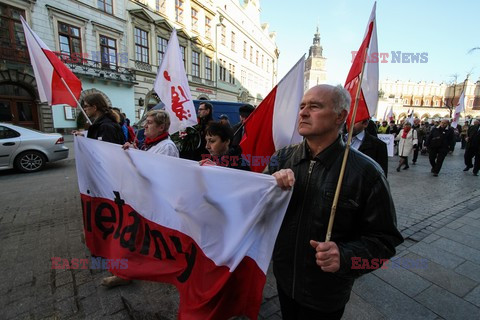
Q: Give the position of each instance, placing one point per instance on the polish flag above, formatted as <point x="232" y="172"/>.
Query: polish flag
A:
<point x="172" y="88"/>
<point x="208" y="230"/>
<point x="49" y="71"/>
<point x="459" y="109"/>
<point x="274" y="123"/>
<point x="367" y="104"/>
<point x="390" y="114"/>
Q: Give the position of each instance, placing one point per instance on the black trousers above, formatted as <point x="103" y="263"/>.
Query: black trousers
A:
<point x="468" y="157"/>
<point x="417" y="149"/>
<point x="292" y="310"/>
<point x="436" y="157"/>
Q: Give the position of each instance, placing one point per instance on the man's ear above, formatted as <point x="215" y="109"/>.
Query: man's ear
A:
<point x="342" y="116"/>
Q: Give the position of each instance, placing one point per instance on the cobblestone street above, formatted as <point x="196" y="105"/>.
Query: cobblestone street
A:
<point x="439" y="217"/>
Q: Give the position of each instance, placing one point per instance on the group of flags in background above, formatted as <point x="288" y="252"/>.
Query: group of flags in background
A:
<point x="271" y="126"/>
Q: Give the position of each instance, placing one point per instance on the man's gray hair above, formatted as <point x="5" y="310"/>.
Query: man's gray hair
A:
<point x="341" y="99"/>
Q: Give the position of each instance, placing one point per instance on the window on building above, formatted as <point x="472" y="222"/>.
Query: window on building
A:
<point x="160" y="5"/>
<point x="223" y="71"/>
<point x="256" y="58"/>
<point x="108" y="51"/>
<point x="243" y="77"/>
<point x="231" y="72"/>
<point x="12" y="38"/>
<point x="179" y="10"/>
<point x="268" y="65"/>
<point x="208" y="27"/>
<point x="405" y="101"/>
<point x="105" y="5"/>
<point x="223" y="35"/>
<point x="416" y="102"/>
<point x="426" y="102"/>
<point x="195" y="64"/>
<point x="183" y="50"/>
<point x="244" y="49"/>
<point x="436" y="103"/>
<point x="208" y="68"/>
<point x="69" y="39"/>
<point x="161" y="48"/>
<point x="233" y="41"/>
<point x="263" y="58"/>
<point x="251" y="54"/>
<point x="194" y="20"/>
<point x="141" y="45"/>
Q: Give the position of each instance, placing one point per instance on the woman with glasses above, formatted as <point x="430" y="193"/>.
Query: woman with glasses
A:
<point x="105" y="125"/>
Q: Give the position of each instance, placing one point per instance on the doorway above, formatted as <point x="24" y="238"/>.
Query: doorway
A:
<point x="17" y="106"/>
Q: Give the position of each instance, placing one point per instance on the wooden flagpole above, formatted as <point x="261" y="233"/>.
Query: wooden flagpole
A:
<point x="78" y="104"/>
<point x="347" y="150"/>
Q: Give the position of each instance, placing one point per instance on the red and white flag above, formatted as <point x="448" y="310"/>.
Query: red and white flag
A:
<point x="208" y="230"/>
<point x="367" y="104"/>
<point x="390" y="114"/>
<point x="274" y="123"/>
<point x="172" y="88"/>
<point x="459" y="109"/>
<point x="49" y="70"/>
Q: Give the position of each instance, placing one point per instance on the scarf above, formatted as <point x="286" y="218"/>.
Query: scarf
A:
<point x="151" y="142"/>
<point x="406" y="130"/>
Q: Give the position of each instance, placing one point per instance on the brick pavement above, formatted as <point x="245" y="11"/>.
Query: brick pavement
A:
<point x="439" y="216"/>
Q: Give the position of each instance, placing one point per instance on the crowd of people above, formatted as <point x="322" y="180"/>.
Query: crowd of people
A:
<point x="436" y="139"/>
<point x="314" y="277"/>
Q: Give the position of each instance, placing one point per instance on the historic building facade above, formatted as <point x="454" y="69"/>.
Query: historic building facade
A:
<point x="427" y="100"/>
<point x="89" y="36"/>
<point x="116" y="46"/>
<point x="228" y="54"/>
<point x="315" y="71"/>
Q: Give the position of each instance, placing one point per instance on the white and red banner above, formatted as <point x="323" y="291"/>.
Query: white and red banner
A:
<point x="459" y="109"/>
<point x="172" y="88"/>
<point x="367" y="104"/>
<point x="274" y="123"/>
<point x="49" y="70"/>
<point x="210" y="231"/>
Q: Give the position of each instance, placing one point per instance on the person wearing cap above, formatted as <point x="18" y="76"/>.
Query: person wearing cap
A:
<point x="224" y="119"/>
<point x="239" y="128"/>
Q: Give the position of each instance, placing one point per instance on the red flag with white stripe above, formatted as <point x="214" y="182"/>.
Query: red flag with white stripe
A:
<point x="273" y="125"/>
<point x="49" y="70"/>
<point x="367" y="104"/>
<point x="199" y="228"/>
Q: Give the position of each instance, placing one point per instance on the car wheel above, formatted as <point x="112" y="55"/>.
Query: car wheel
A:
<point x="30" y="161"/>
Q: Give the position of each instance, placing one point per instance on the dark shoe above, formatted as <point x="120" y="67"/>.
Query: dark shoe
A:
<point x="435" y="174"/>
<point x="406" y="168"/>
<point x="466" y="168"/>
<point x="398" y="169"/>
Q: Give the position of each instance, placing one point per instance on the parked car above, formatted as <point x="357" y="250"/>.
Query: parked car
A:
<point x="28" y="150"/>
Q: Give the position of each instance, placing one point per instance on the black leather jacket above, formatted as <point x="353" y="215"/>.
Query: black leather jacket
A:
<point x="365" y="223"/>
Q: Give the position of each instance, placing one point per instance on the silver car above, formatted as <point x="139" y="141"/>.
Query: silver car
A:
<point x="28" y="150"/>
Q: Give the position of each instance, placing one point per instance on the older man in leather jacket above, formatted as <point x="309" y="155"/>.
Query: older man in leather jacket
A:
<point x="315" y="278"/>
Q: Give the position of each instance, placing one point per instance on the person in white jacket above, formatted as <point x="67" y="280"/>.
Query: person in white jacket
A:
<point x="408" y="140"/>
<point x="157" y="139"/>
